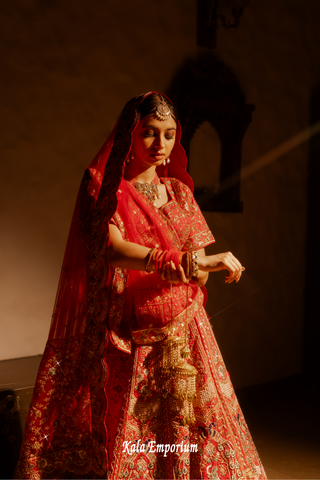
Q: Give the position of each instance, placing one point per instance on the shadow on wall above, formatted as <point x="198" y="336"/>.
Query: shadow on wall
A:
<point x="204" y="90"/>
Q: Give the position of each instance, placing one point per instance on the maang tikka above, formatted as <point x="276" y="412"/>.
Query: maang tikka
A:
<point x="163" y="112"/>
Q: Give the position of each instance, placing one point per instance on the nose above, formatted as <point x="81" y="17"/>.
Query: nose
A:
<point x="160" y="142"/>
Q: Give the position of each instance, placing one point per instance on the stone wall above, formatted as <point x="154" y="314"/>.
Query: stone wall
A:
<point x="67" y="70"/>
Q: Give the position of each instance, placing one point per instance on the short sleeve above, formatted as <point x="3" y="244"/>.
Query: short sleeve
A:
<point x="117" y="221"/>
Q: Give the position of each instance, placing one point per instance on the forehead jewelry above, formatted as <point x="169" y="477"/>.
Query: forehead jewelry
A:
<point x="163" y="112"/>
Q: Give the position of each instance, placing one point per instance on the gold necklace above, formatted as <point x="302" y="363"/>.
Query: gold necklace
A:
<point x="149" y="190"/>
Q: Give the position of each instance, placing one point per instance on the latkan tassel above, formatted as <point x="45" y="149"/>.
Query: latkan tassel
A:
<point x="179" y="378"/>
<point x="185" y="390"/>
<point x="185" y="352"/>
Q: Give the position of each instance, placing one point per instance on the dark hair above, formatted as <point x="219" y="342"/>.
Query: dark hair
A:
<point x="150" y="103"/>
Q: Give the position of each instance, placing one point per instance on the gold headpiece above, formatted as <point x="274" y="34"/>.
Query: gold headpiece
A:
<point x="163" y="112"/>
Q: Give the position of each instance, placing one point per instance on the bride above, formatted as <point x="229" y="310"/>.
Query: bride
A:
<point x="132" y="383"/>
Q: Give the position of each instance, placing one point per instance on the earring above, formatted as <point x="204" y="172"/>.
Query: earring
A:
<point x="166" y="161"/>
<point x="130" y="156"/>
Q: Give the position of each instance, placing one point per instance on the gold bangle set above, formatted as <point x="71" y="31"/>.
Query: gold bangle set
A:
<point x="150" y="265"/>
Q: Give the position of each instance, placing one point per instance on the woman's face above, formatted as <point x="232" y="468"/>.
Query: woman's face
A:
<point x="153" y="140"/>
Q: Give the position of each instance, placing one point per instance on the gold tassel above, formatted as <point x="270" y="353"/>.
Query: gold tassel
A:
<point x="178" y="376"/>
<point x="185" y="352"/>
<point x="185" y="390"/>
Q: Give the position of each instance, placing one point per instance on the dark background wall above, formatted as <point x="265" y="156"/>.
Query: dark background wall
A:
<point x="67" y="68"/>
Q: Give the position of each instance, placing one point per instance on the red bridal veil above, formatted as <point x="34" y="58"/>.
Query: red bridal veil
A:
<point x="69" y="403"/>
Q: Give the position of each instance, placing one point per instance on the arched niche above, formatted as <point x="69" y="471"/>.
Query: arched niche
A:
<point x="206" y="92"/>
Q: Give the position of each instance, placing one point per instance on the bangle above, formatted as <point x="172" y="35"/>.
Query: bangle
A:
<point x="149" y="259"/>
<point x="156" y="259"/>
<point x="194" y="264"/>
<point x="188" y="261"/>
<point x="158" y="262"/>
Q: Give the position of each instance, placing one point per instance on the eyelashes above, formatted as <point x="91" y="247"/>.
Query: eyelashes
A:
<point x="168" y="137"/>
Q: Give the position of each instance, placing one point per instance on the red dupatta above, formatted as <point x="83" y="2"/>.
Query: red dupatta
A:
<point x="65" y="432"/>
<point x="95" y="206"/>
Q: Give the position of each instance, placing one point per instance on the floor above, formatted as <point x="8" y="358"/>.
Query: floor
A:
<point x="284" y="420"/>
<point x="283" y="417"/>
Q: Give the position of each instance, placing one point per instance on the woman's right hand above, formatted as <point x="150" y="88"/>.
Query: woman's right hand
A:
<point x="172" y="274"/>
<point x="222" y="261"/>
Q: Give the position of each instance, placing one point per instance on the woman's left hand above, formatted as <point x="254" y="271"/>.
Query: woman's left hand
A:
<point x="173" y="274"/>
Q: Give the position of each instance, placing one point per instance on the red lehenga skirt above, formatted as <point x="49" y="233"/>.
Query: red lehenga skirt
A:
<point x="102" y="409"/>
<point x="146" y="437"/>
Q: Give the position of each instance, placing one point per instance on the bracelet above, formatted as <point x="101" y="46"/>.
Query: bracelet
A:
<point x="149" y="259"/>
<point x="188" y="260"/>
<point x="194" y="264"/>
<point x="155" y="260"/>
<point x="158" y="260"/>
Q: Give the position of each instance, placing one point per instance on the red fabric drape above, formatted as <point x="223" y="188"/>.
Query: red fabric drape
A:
<point x="70" y="310"/>
<point x="69" y="403"/>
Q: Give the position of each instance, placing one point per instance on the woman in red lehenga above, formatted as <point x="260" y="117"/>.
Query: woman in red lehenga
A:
<point x="132" y="383"/>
